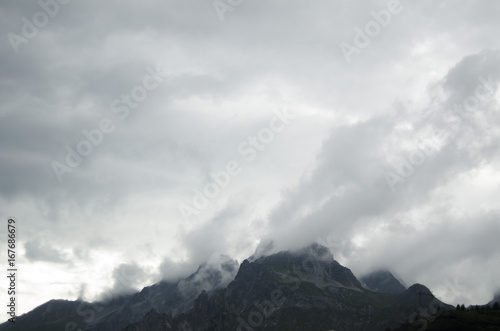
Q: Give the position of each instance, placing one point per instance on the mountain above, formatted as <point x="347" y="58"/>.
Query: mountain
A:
<point x="115" y="314"/>
<point x="52" y="315"/>
<point x="496" y="298"/>
<point x="304" y="289"/>
<point x="383" y="281"/>
<point x="453" y="320"/>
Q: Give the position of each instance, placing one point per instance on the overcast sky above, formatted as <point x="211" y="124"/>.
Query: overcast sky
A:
<point x="138" y="140"/>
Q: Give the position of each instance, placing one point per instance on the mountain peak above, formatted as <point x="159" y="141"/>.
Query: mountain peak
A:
<point x="316" y="251"/>
<point x="419" y="288"/>
<point x="264" y="248"/>
<point x="383" y="281"/>
<point x="496" y="298"/>
<point x="313" y="263"/>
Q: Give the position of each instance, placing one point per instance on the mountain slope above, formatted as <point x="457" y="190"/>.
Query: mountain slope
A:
<point x="52" y="315"/>
<point x="115" y="314"/>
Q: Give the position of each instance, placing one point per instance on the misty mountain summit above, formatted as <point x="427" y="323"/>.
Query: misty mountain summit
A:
<point x="305" y="289"/>
<point x="383" y="281"/>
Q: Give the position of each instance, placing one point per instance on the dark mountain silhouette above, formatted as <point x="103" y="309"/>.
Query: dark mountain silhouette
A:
<point x="115" y="314"/>
<point x="383" y="281"/>
<point x="292" y="290"/>
<point x="496" y="298"/>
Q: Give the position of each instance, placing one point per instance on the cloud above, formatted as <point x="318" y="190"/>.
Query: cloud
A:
<point x="36" y="251"/>
<point x="173" y="271"/>
<point x="218" y="272"/>
<point x="348" y="196"/>
<point x="201" y="246"/>
<point x="127" y="278"/>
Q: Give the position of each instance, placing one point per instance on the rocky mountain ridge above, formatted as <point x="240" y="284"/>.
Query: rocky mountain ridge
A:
<point x="300" y="290"/>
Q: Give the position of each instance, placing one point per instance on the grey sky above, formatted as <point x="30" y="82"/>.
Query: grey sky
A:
<point x="329" y="174"/>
